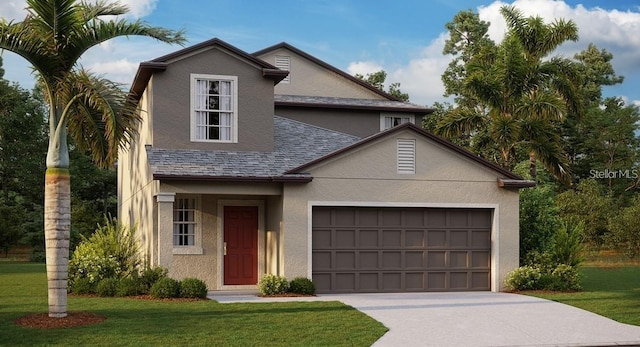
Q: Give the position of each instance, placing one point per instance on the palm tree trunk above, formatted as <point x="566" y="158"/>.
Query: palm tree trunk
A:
<point x="533" y="171"/>
<point x="57" y="223"/>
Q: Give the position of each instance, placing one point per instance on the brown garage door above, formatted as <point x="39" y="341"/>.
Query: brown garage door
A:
<point x="361" y="249"/>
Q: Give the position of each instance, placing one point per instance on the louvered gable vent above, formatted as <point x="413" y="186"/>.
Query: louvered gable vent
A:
<point x="406" y="156"/>
<point x="284" y="63"/>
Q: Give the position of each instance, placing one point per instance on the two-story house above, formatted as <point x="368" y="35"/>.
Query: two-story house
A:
<point x="277" y="162"/>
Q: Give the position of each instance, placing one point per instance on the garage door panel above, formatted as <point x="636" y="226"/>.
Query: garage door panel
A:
<point x="321" y="261"/>
<point x="480" y="281"/>
<point x="436" y="238"/>
<point x="414" y="239"/>
<point x="481" y="239"/>
<point x="391" y="238"/>
<point x="480" y="259"/>
<point x="458" y="259"/>
<point x="458" y="280"/>
<point x="391" y="260"/>
<point x="458" y="239"/>
<point x="414" y="259"/>
<point x="400" y="249"/>
<point x="321" y="238"/>
<point x="345" y="260"/>
<point x="368" y="238"/>
<point x="345" y="239"/>
<point x="437" y="259"/>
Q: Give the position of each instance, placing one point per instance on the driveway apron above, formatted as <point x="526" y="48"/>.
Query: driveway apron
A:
<point x="477" y="319"/>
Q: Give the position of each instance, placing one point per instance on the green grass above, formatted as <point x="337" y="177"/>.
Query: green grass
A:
<point x="612" y="292"/>
<point x="132" y="322"/>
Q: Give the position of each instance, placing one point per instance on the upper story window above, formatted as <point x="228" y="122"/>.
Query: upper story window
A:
<point x="283" y="62"/>
<point x="388" y="121"/>
<point x="214" y="108"/>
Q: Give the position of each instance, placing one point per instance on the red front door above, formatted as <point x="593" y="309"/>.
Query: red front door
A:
<point x="241" y="245"/>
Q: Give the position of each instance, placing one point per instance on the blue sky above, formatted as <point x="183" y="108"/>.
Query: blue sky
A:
<point x="405" y="38"/>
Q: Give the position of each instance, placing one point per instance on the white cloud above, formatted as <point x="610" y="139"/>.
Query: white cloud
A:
<point x="15" y="9"/>
<point x="363" y="67"/>
<point x="613" y="30"/>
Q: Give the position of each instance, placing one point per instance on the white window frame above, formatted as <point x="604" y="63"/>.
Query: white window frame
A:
<point x="196" y="248"/>
<point x="233" y="104"/>
<point x="406" y="155"/>
<point x="283" y="62"/>
<point x="405" y="118"/>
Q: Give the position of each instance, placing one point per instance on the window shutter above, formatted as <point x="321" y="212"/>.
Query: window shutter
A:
<point x="406" y="156"/>
<point x="284" y="63"/>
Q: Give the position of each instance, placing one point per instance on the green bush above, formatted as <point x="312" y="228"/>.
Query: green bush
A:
<point x="524" y="278"/>
<point x="82" y="286"/>
<point x="166" y="287"/>
<point x="566" y="245"/>
<point x="561" y="278"/>
<point x="127" y="287"/>
<point x="193" y="288"/>
<point x="111" y="252"/>
<point x="625" y="230"/>
<point x="149" y="276"/>
<point x="566" y="277"/>
<point x="107" y="287"/>
<point x="272" y="284"/>
<point x="302" y="285"/>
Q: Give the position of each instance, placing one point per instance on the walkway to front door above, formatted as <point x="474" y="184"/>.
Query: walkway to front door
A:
<point x="241" y="245"/>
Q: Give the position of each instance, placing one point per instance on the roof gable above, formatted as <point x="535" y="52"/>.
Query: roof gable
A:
<point x="324" y="65"/>
<point x="146" y="69"/>
<point x="505" y="177"/>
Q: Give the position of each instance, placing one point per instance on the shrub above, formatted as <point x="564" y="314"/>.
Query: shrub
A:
<point x="524" y="278"/>
<point x="165" y="287"/>
<point x="193" y="288"/>
<point x="302" y="285"/>
<point x="566" y="245"/>
<point x="625" y="230"/>
<point x="272" y="284"/>
<point x="149" y="276"/>
<point x="128" y="286"/>
<point x="82" y="286"/>
<point x="111" y="252"/>
<point x="107" y="287"/>
<point x="566" y="277"/>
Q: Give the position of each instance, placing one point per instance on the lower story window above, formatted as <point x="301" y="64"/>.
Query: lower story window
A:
<point x="184" y="222"/>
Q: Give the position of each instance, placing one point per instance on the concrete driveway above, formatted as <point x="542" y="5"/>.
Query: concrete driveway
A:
<point x="476" y="319"/>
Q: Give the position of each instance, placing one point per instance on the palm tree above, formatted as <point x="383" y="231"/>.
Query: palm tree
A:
<point x="525" y="96"/>
<point x="93" y="110"/>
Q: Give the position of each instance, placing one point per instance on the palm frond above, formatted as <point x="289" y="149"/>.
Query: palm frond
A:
<point x="101" y="119"/>
<point x="459" y="122"/>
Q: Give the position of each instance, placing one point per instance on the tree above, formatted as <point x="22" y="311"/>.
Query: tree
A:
<point x="377" y="80"/>
<point x="92" y="110"/>
<point x="525" y="95"/>
<point x="22" y="148"/>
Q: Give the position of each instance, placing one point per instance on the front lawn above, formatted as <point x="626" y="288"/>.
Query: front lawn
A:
<point x="134" y="322"/>
<point x="610" y="291"/>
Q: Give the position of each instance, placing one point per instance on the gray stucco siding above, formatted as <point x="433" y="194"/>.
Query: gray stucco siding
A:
<point x="172" y="96"/>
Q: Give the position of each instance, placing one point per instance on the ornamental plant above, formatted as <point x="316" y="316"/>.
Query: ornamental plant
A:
<point x="272" y="285"/>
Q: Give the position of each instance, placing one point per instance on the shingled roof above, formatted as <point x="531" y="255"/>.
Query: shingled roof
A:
<point x="349" y="103"/>
<point x="296" y="143"/>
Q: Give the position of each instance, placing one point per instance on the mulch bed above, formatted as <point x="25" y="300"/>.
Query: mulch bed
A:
<point x="72" y="320"/>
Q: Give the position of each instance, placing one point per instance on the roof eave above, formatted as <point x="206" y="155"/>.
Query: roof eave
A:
<point x="420" y="111"/>
<point x="143" y="75"/>
<point x="241" y="179"/>
<point x="514" y="183"/>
